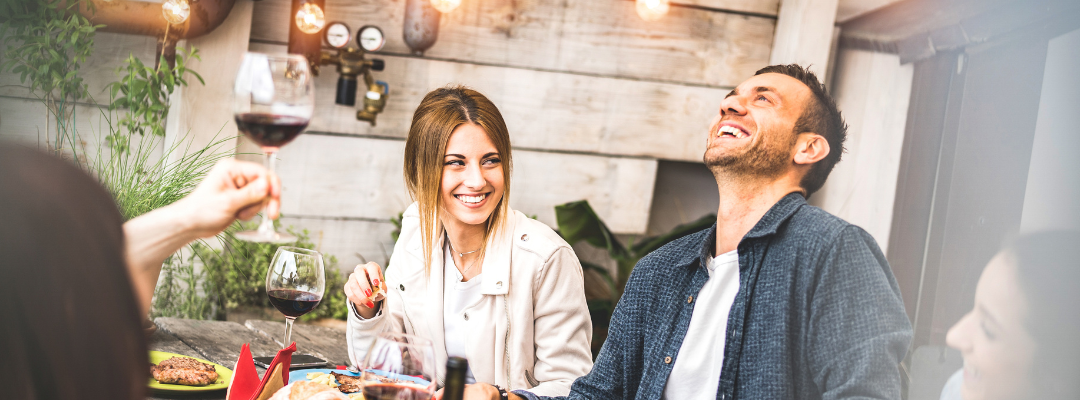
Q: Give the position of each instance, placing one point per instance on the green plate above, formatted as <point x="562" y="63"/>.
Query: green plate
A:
<point x="224" y="375"/>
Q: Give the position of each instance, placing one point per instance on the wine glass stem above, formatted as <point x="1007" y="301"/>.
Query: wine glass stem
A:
<point x="267" y="224"/>
<point x="288" y="331"/>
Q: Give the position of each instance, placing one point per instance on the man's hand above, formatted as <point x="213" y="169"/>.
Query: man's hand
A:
<point x="232" y="190"/>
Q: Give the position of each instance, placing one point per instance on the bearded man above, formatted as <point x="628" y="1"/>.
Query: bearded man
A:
<point x="779" y="299"/>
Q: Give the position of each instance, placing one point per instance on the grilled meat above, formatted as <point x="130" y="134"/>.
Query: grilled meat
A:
<point x="184" y="371"/>
<point x="347" y="384"/>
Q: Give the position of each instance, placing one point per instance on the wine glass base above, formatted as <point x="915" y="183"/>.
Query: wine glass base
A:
<point x="265" y="237"/>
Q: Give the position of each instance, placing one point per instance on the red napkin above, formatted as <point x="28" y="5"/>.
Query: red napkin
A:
<point x="245" y="384"/>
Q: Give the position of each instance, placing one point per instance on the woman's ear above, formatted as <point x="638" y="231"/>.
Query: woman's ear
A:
<point x="810" y="148"/>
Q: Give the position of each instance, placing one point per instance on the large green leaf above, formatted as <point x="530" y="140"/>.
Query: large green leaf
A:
<point x="577" y="221"/>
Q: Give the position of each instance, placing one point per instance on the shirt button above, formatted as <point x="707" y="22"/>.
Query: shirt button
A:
<point x="466" y="316"/>
<point x="402" y="287"/>
<point x="690" y="299"/>
<point x="498" y="285"/>
<point x="525" y="237"/>
<point x="667" y="360"/>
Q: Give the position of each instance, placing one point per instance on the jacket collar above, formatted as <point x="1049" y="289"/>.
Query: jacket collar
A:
<point x="767" y="225"/>
<point x="496" y="267"/>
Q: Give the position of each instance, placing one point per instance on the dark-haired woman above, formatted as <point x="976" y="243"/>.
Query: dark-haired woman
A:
<point x="480" y="280"/>
<point x="76" y="280"/>
<point x="1021" y="339"/>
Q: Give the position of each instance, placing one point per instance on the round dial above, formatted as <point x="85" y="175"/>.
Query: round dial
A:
<point x="371" y="38"/>
<point x="337" y="35"/>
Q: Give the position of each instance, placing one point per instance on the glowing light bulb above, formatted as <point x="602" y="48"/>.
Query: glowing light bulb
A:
<point x="176" y="11"/>
<point x="652" y="10"/>
<point x="445" y="6"/>
<point x="310" y="18"/>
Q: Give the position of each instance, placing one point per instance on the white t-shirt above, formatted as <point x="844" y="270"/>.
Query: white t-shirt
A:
<point x="696" y="374"/>
<point x="457" y="297"/>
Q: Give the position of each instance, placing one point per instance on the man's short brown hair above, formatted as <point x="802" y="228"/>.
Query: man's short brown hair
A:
<point x="821" y="116"/>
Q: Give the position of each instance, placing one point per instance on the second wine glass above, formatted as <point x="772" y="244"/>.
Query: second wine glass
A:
<point x="274" y="99"/>
<point x="398" y="367"/>
<point x="295" y="284"/>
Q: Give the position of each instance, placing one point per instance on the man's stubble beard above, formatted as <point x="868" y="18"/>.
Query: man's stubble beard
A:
<point x="760" y="161"/>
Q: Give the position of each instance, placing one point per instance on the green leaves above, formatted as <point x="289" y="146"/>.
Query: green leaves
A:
<point x="577" y="221"/>
<point x="143" y="93"/>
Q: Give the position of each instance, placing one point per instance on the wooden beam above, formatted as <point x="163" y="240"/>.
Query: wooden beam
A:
<point x="543" y="110"/>
<point x="203" y="114"/>
<point x="361" y="178"/>
<point x="766" y="7"/>
<point x="804" y="34"/>
<point x="605" y="38"/>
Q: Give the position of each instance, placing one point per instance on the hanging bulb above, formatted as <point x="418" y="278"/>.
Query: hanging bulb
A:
<point x="176" y="11"/>
<point x="652" y="10"/>
<point x="310" y="18"/>
<point x="445" y="6"/>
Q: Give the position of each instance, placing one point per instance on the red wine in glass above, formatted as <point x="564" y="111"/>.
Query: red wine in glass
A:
<point x="395" y="391"/>
<point x="293" y="303"/>
<point x="270" y="130"/>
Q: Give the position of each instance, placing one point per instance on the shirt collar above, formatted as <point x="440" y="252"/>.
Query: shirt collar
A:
<point x="767" y="225"/>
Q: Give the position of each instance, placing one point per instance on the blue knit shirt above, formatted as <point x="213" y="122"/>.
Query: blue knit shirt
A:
<point x="818" y="315"/>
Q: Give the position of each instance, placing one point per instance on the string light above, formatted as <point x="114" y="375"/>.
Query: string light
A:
<point x="445" y="6"/>
<point x="652" y="10"/>
<point x="310" y="18"/>
<point x="176" y="11"/>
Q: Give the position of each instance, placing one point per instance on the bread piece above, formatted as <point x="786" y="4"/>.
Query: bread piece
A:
<point x="303" y="389"/>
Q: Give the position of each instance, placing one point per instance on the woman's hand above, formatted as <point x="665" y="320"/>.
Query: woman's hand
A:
<point x="480" y="391"/>
<point x="366" y="288"/>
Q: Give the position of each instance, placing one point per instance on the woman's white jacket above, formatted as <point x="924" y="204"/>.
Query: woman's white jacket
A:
<point x="532" y="327"/>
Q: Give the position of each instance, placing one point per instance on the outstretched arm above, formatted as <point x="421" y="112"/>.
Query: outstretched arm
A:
<point x="233" y="189"/>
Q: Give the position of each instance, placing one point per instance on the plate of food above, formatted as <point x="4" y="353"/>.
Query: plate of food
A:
<point x="180" y="373"/>
<point x="348" y="382"/>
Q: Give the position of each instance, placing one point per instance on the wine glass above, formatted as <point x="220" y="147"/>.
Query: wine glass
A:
<point x="274" y="98"/>
<point x="398" y="367"/>
<point x="295" y="283"/>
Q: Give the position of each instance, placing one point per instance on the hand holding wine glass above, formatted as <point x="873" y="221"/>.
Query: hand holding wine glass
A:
<point x="274" y="99"/>
<point x="295" y="284"/>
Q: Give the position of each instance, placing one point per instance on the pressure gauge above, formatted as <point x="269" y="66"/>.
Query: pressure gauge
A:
<point x="370" y="38"/>
<point x="337" y="35"/>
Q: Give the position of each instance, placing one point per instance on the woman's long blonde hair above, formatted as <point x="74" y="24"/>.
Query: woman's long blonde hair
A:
<point x="435" y="119"/>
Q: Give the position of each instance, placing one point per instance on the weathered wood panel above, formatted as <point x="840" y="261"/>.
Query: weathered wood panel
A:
<point x="543" y="110"/>
<point x="345" y="239"/>
<point x="110" y="49"/>
<point x="583" y="36"/>
<point x="219" y="341"/>
<point x="336" y="176"/>
<point x="320" y="341"/>
<point x="873" y="91"/>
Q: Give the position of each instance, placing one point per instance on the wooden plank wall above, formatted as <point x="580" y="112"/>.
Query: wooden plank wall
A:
<point x="593" y="97"/>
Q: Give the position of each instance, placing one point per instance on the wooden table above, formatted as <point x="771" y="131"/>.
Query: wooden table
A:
<point x="220" y="342"/>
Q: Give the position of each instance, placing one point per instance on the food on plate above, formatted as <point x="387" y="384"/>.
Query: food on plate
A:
<point x="322" y="378"/>
<point x="304" y="389"/>
<point x="184" y="371"/>
<point x="347" y="384"/>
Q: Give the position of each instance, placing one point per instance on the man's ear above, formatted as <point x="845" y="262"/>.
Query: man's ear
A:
<point x="810" y="148"/>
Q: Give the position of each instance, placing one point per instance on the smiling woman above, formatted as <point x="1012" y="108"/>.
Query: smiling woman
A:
<point x="479" y="280"/>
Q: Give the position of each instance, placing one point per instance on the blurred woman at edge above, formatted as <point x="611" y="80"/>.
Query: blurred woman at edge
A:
<point x="77" y="281"/>
<point x="478" y="279"/>
<point x="1022" y="339"/>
